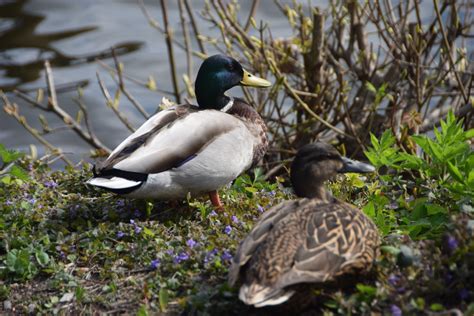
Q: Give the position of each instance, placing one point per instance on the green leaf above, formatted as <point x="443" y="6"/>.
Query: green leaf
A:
<point x="370" y="87"/>
<point x="390" y="249"/>
<point x="410" y="161"/>
<point x="148" y="232"/>
<point x="366" y="289"/>
<point x="470" y="179"/>
<point x="436" y="307"/>
<point x="8" y="156"/>
<point x="455" y="173"/>
<point x="42" y="257"/>
<point x="19" y="173"/>
<point x="251" y="189"/>
<point x="80" y="293"/>
<point x="6" y="179"/>
<point x="142" y="311"/>
<point x="11" y="259"/>
<point x="375" y="142"/>
<point x="469" y="134"/>
<point x="387" y="139"/>
<point x="369" y="210"/>
<point x="163" y="298"/>
<point x="432" y="209"/>
<point x="435" y="150"/>
<point x="421" y="141"/>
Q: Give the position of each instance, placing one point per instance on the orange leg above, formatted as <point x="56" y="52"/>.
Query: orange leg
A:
<point x="215" y="200"/>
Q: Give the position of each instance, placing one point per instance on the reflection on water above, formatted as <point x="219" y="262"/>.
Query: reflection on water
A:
<point x="23" y="50"/>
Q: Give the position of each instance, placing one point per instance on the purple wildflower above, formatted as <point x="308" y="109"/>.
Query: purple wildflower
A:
<point x="401" y="289"/>
<point x="120" y="203"/>
<point x="50" y="184"/>
<point x="8" y="202"/>
<point x="393" y="279"/>
<point x="120" y="234"/>
<point x="226" y="256"/>
<point x="395" y="310"/>
<point x="260" y="208"/>
<point x="452" y="243"/>
<point x="448" y="278"/>
<point x="464" y="294"/>
<point x="132" y="222"/>
<point x="228" y="230"/>
<point x="154" y="264"/>
<point x="235" y="219"/>
<point x="138" y="229"/>
<point x="73" y="210"/>
<point x="32" y="201"/>
<point x="182" y="256"/>
<point x="213" y="213"/>
<point x="169" y="252"/>
<point x="393" y="205"/>
<point x="210" y="255"/>
<point x="191" y="243"/>
<point x="272" y="193"/>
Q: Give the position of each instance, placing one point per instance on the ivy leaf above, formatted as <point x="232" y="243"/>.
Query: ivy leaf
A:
<point x="8" y="156"/>
<point x="42" y="257"/>
<point x="19" y="173"/>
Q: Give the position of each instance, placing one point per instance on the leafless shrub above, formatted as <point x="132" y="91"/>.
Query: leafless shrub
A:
<point x="348" y="70"/>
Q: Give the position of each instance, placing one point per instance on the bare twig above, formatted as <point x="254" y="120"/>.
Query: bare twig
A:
<point x="447" y="46"/>
<point x="187" y="40"/>
<point x="113" y="103"/>
<point x="169" y="46"/>
<point x="13" y="110"/>
<point x="122" y="87"/>
<point x="252" y="12"/>
<point x="194" y="25"/>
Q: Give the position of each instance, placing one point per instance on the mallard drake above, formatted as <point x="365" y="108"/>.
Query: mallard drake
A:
<point x="314" y="239"/>
<point x="191" y="149"/>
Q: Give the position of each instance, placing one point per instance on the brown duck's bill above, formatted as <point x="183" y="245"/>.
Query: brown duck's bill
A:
<point x="355" y="166"/>
<point x="254" y="81"/>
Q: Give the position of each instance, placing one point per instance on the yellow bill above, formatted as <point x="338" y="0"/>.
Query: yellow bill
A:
<point x="254" y="81"/>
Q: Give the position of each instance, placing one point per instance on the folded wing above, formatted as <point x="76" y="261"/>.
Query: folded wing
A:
<point x="168" y="139"/>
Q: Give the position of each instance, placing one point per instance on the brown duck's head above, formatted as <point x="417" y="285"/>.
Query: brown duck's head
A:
<point x="317" y="162"/>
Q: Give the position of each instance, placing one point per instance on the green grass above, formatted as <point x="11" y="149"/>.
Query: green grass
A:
<point x="68" y="248"/>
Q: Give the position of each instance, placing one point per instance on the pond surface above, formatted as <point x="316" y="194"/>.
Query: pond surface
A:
<point x="71" y="34"/>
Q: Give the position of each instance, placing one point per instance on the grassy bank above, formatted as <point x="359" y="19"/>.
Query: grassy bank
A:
<point x="66" y="248"/>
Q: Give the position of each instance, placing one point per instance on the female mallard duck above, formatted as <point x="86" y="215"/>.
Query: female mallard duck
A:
<point x="189" y="149"/>
<point x="311" y="240"/>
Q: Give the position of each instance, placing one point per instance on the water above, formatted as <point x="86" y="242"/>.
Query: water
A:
<point x="69" y="34"/>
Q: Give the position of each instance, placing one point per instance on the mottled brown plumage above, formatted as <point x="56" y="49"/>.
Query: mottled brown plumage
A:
<point x="255" y="124"/>
<point x="315" y="239"/>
